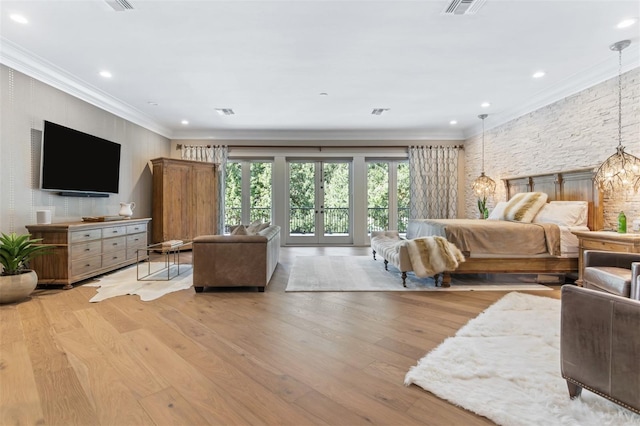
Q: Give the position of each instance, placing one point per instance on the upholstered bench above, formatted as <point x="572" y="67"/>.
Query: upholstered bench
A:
<point x="392" y="249"/>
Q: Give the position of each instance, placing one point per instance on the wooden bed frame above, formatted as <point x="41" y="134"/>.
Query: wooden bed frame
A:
<point x="574" y="185"/>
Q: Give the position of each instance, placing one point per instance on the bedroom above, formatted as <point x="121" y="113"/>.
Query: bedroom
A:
<point x="570" y="133"/>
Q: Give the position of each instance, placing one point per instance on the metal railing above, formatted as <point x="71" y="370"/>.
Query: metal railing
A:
<point x="336" y="219"/>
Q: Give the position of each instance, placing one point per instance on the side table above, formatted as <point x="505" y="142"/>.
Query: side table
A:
<point x="167" y="253"/>
<point x="604" y="241"/>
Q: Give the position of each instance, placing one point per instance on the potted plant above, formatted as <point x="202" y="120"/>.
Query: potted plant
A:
<point x="17" y="281"/>
<point x="482" y="207"/>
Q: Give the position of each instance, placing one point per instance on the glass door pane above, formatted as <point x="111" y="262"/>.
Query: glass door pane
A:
<point x="320" y="203"/>
<point x="302" y="202"/>
<point x="377" y="196"/>
<point x="260" y="192"/>
<point x="404" y="194"/>
<point x="335" y="203"/>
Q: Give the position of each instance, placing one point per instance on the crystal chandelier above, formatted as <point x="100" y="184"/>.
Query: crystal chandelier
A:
<point x="483" y="186"/>
<point x="620" y="172"/>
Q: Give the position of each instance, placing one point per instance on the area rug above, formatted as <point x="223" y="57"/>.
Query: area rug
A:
<point x="125" y="281"/>
<point x="362" y="273"/>
<point x="505" y="365"/>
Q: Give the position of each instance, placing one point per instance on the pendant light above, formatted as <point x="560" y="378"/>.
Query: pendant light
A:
<point x="621" y="171"/>
<point x="483" y="186"/>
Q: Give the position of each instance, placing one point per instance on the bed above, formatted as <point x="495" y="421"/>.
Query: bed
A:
<point x="503" y="246"/>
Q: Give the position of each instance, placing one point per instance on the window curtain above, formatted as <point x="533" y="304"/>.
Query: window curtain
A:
<point x="211" y="154"/>
<point x="433" y="171"/>
<point x="219" y="155"/>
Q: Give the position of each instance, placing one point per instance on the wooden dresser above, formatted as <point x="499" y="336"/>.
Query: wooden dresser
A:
<point x="86" y="249"/>
<point x="604" y="241"/>
<point x="185" y="195"/>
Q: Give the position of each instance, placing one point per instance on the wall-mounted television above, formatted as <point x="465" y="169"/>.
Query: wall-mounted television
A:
<point x="78" y="164"/>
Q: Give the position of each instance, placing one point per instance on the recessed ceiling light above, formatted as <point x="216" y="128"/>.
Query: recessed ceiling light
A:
<point x="538" y="74"/>
<point x="185" y="122"/>
<point x="225" y="111"/>
<point x="627" y="23"/>
<point x="152" y="103"/>
<point x="379" y="111"/>
<point x="452" y="122"/>
<point x="485" y="105"/>
<point x="324" y="94"/>
<point x="18" y="18"/>
<point x="105" y="74"/>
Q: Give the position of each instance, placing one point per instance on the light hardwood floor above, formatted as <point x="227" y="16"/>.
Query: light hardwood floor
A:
<point x="229" y="357"/>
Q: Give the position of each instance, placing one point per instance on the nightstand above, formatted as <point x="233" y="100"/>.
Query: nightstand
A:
<point x="604" y="241"/>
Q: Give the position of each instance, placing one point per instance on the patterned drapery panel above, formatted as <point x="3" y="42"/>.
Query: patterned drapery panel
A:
<point x="219" y="154"/>
<point x="433" y="171"/>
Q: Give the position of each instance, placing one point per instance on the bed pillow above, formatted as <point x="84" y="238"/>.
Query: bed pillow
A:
<point x="498" y="211"/>
<point x="524" y="206"/>
<point x="563" y="213"/>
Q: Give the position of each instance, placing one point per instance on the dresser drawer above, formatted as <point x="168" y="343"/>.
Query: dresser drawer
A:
<point x="137" y="240"/>
<point x="88" y="249"/>
<point x="605" y="245"/>
<point x="85" y="266"/>
<point x="114" y="244"/>
<point x="113" y="231"/>
<point x="113" y="258"/>
<point x="134" y="229"/>
<point x="88" y="235"/>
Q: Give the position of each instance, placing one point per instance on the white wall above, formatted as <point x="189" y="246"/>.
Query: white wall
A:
<point x="25" y="104"/>
<point x="577" y="132"/>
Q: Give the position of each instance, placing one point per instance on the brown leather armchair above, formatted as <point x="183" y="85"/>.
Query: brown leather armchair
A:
<point x="599" y="345"/>
<point x="612" y="272"/>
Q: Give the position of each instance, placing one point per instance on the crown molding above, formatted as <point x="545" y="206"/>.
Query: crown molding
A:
<point x="29" y="64"/>
<point x="562" y="89"/>
<point x="311" y="135"/>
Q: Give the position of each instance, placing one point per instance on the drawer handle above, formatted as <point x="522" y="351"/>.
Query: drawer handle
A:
<point x="87" y="249"/>
<point x="88" y="264"/>
<point x="87" y="235"/>
<point x="114" y="244"/>
<point x="114" y="232"/>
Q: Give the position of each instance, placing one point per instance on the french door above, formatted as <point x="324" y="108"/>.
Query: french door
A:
<point x="320" y="202"/>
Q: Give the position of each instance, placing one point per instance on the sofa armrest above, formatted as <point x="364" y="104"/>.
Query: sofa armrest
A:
<point x="599" y="343"/>
<point x="609" y="258"/>
<point x="635" y="281"/>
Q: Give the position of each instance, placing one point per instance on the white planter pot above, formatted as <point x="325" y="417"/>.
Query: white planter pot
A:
<point x="14" y="288"/>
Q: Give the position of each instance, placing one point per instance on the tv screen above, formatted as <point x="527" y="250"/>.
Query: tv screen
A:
<point x="77" y="163"/>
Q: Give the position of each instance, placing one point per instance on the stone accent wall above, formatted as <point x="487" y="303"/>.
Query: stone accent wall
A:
<point x="578" y="132"/>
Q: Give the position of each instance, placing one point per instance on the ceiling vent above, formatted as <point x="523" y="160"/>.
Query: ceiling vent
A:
<point x="463" y="7"/>
<point x="379" y="111"/>
<point x="225" y="111"/>
<point x="119" y="5"/>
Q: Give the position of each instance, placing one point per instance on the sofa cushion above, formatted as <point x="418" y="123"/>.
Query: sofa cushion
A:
<point x="609" y="279"/>
<point x="240" y="230"/>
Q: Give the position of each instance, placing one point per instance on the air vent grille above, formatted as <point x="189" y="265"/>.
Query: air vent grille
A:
<point x="225" y="111"/>
<point x="379" y="111"/>
<point x="463" y="7"/>
<point x="119" y="5"/>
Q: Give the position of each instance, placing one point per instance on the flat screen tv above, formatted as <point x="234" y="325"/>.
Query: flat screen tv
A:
<point x="78" y="164"/>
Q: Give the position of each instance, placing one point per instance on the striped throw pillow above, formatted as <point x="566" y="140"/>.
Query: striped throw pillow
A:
<point x="524" y="206"/>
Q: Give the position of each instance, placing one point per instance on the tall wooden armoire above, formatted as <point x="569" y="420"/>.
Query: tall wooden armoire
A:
<point x="185" y="199"/>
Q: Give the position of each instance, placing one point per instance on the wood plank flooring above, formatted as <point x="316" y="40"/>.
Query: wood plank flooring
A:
<point x="229" y="357"/>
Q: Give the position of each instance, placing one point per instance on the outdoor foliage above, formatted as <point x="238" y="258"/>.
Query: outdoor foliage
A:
<point x="336" y="185"/>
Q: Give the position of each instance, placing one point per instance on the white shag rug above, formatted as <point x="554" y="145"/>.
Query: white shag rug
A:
<point x="124" y="281"/>
<point x="362" y="273"/>
<point x="505" y="365"/>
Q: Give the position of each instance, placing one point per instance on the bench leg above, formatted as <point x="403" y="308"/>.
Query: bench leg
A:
<point x="374" y="254"/>
<point x="404" y="279"/>
<point x="386" y="262"/>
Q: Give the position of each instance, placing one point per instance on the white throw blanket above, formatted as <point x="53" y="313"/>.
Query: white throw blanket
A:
<point x="433" y="255"/>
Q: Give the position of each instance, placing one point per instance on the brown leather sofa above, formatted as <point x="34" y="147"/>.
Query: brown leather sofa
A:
<point x="599" y="345"/>
<point x="612" y="272"/>
<point x="236" y="260"/>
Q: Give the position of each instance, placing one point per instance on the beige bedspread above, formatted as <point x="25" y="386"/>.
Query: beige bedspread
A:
<point x="476" y="236"/>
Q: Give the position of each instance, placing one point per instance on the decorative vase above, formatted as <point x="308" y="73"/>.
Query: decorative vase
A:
<point x="126" y="209"/>
<point x="14" y="288"/>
